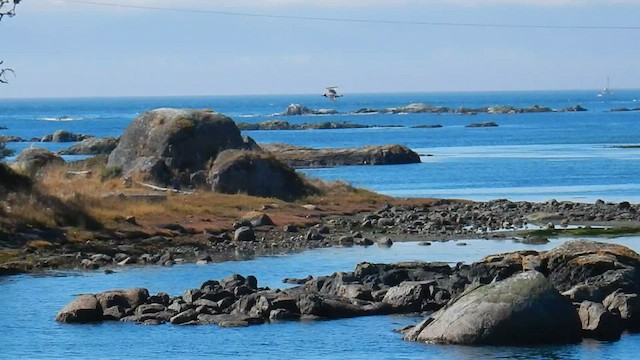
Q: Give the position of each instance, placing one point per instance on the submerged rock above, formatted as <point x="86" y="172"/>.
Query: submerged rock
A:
<point x="484" y="124"/>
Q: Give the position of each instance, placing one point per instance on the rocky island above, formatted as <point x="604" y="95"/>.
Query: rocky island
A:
<point x="579" y="289"/>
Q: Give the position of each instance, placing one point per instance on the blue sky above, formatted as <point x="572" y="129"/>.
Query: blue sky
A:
<point x="66" y="49"/>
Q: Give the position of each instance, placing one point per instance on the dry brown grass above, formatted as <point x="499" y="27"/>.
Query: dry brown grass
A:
<point x="92" y="193"/>
<point x="199" y="211"/>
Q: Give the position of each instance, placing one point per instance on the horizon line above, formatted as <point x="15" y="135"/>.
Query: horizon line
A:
<point x="595" y="90"/>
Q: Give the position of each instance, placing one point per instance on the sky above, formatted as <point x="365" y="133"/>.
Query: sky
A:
<point x="73" y="48"/>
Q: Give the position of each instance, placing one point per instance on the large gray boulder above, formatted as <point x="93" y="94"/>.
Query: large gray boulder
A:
<point x="255" y="173"/>
<point x="523" y="309"/>
<point x="32" y="160"/>
<point x="182" y="139"/>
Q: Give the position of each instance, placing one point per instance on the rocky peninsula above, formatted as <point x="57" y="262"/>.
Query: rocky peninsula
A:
<point x="299" y="156"/>
<point x="186" y="186"/>
<point x="579" y="289"/>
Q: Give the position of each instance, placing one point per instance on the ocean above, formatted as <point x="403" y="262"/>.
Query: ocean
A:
<point x="574" y="156"/>
<point x="29" y="304"/>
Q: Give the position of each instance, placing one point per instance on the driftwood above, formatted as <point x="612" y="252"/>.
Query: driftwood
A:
<point x="85" y="173"/>
<point x="142" y="197"/>
<point x="159" y="188"/>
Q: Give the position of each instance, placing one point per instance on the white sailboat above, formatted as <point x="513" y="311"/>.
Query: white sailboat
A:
<point x="606" y="91"/>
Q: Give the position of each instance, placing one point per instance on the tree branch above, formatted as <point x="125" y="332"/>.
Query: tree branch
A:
<point x="3" y="74"/>
<point x="8" y="8"/>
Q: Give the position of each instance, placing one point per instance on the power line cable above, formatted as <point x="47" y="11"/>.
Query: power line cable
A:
<point x="355" y="20"/>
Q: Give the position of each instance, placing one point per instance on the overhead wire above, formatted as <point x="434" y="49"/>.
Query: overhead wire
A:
<point x="355" y="20"/>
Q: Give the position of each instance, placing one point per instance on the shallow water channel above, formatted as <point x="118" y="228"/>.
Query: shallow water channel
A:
<point x="29" y="303"/>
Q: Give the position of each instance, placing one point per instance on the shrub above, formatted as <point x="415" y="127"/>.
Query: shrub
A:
<point x="111" y="172"/>
<point x="4" y="152"/>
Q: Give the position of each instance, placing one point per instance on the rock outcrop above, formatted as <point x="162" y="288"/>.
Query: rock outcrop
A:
<point x="508" y="298"/>
<point x="231" y="302"/>
<point x="297" y="156"/>
<point x="64" y="136"/>
<point x="297" y="109"/>
<point x="92" y="146"/>
<point x="599" y="268"/>
<point x="285" y="125"/>
<point x="184" y="140"/>
<point x="11" y="138"/>
<point x="32" y="160"/>
<point x="257" y="174"/>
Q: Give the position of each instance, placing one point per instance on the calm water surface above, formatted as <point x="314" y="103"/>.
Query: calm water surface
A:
<point x="29" y="304"/>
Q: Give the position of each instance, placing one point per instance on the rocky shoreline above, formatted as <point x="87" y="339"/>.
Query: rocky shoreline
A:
<point x="579" y="289"/>
<point x="256" y="233"/>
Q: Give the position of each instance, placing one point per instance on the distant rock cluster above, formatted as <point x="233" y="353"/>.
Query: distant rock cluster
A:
<point x="59" y="136"/>
<point x="621" y="109"/>
<point x="420" y="108"/>
<point x="323" y="125"/>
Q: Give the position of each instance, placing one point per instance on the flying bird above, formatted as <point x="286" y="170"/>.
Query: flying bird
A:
<point x="331" y="93"/>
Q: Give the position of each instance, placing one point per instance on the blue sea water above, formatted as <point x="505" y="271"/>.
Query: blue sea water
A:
<point x="566" y="156"/>
<point x="29" y="304"/>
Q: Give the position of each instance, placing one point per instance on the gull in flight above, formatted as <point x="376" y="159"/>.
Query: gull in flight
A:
<point x="331" y="93"/>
